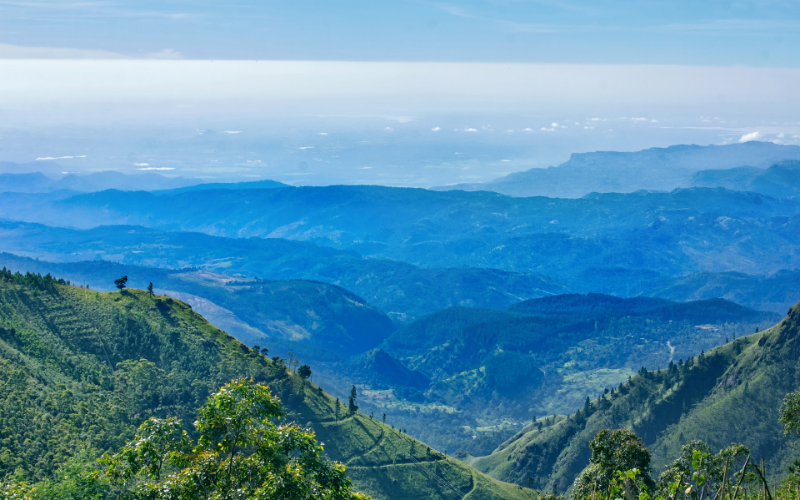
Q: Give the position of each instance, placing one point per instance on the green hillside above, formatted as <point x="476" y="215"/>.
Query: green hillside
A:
<point x="544" y="356"/>
<point x="79" y="370"/>
<point x="729" y="394"/>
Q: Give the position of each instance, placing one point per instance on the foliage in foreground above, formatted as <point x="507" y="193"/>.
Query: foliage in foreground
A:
<point x="620" y="469"/>
<point x="240" y="454"/>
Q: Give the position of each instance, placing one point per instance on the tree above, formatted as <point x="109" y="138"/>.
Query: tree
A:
<point x="696" y="460"/>
<point x="612" y="452"/>
<point x="121" y="283"/>
<point x="352" y="407"/>
<point x="150" y="288"/>
<point x="304" y="372"/>
<point x="240" y="453"/>
<point x="790" y="412"/>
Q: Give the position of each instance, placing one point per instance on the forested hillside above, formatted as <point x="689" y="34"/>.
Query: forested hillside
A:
<point x="730" y="394"/>
<point x="544" y="356"/>
<point x="82" y="369"/>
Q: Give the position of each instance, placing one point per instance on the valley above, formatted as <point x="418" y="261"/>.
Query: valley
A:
<point x="489" y="336"/>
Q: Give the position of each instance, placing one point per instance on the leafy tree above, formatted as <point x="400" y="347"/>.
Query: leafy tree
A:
<point x="150" y="288"/>
<point x="304" y="372"/>
<point x="239" y="454"/>
<point x="790" y="412"/>
<point x="612" y="452"/>
<point x="698" y="463"/>
<point x="121" y="283"/>
<point x="352" y="407"/>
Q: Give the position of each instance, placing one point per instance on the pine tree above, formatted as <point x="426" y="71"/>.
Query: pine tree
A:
<point x="150" y="288"/>
<point x="352" y="407"/>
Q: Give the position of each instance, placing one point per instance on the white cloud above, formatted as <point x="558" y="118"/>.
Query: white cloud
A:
<point x="164" y="54"/>
<point x="640" y="119"/>
<point x="528" y="129"/>
<point x="401" y="119"/>
<point x="554" y="124"/>
<point x="551" y="129"/>
<point x="752" y="136"/>
<point x="365" y="168"/>
<point x="157" y="168"/>
<point x="18" y="52"/>
<point x="653" y="121"/>
<point x="231" y="131"/>
<point x="322" y="133"/>
<point x="505" y="160"/>
<point x="45" y="158"/>
<point x="436" y="129"/>
<point x="470" y="130"/>
<point x="781" y="135"/>
<point x="141" y="164"/>
<point x="305" y="147"/>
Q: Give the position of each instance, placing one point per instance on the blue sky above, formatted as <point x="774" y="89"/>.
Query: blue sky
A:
<point x="398" y="92"/>
<point x="751" y="33"/>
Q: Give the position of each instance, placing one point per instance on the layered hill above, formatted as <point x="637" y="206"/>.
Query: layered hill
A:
<point x="650" y="169"/>
<point x="675" y="233"/>
<point x="730" y="394"/>
<point x="492" y="368"/>
<point x="781" y="180"/>
<point x="403" y="290"/>
<point x="546" y="355"/>
<point x="81" y="369"/>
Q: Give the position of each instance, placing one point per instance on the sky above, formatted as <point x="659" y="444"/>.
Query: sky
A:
<point x="746" y="32"/>
<point x="401" y="92"/>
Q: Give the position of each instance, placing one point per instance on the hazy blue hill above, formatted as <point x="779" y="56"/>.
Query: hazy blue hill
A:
<point x="730" y="394"/>
<point x="677" y="233"/>
<point x="714" y="310"/>
<point x="572" y="304"/>
<point x="651" y="169"/>
<point x="403" y="290"/>
<point x="35" y="182"/>
<point x="81" y="369"/>
<point x="774" y="292"/>
<point x="381" y="370"/>
<point x="737" y="178"/>
<point x="211" y="186"/>
<point x="781" y="180"/>
<point x="439" y="328"/>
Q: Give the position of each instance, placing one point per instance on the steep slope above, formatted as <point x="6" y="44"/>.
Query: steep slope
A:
<point x="83" y="369"/>
<point x="310" y="319"/>
<point x="729" y="394"/>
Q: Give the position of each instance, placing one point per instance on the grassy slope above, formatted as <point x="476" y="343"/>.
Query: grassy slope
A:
<point x="63" y="386"/>
<point x="730" y="394"/>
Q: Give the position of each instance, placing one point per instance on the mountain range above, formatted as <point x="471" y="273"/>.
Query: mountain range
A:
<point x="734" y="166"/>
